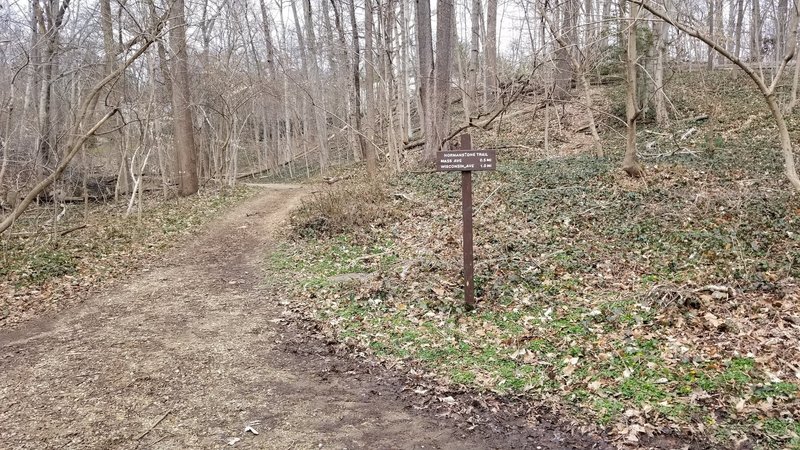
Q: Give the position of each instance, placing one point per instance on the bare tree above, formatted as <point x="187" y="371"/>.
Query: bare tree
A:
<point x="474" y="53"/>
<point x="317" y="97"/>
<point x="445" y="17"/>
<point x="425" y="84"/>
<point x="181" y="102"/>
<point x="630" y="163"/>
<point x="765" y="87"/>
<point x="78" y="136"/>
<point x="490" y="53"/>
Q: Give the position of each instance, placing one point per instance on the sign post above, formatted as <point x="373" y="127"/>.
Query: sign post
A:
<point x="466" y="160"/>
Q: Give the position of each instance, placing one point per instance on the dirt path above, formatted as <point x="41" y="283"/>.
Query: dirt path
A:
<point x="189" y="353"/>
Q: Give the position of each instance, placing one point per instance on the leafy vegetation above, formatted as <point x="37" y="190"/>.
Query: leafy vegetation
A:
<point x="44" y="270"/>
<point x="668" y="302"/>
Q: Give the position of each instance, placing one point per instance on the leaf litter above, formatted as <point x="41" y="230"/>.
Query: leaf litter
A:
<point x="652" y="310"/>
<point x="42" y="273"/>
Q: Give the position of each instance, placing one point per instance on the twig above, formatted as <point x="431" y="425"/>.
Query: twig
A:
<point x="486" y="200"/>
<point x="70" y="230"/>
<point x="146" y="432"/>
<point x="681" y="151"/>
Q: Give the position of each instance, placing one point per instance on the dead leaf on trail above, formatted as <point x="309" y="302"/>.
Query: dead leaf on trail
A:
<point x="448" y="400"/>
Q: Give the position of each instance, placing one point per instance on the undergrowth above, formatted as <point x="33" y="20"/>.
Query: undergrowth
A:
<point x="635" y="305"/>
<point x="41" y="269"/>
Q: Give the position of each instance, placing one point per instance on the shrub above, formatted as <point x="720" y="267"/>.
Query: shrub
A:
<point x="344" y="209"/>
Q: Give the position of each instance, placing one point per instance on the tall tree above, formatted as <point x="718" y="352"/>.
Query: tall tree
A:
<point x="660" y="98"/>
<point x="491" y="90"/>
<point x="49" y="18"/>
<point x="181" y="104"/>
<point x="367" y="150"/>
<point x="445" y="18"/>
<point x="318" y="97"/>
<point x="755" y="31"/>
<point x="369" y="69"/>
<point x="425" y="79"/>
<point x="564" y="71"/>
<point x="474" y="53"/>
<point x="630" y="163"/>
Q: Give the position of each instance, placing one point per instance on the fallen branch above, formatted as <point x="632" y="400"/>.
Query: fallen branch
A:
<point x="73" y="229"/>
<point x="75" y="145"/>
<point x="331" y="180"/>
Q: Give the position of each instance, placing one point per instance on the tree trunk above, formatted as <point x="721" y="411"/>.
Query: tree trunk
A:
<point x="660" y="97"/>
<point x="738" y="30"/>
<point x="181" y="103"/>
<point x="755" y="31"/>
<point x="319" y="100"/>
<point x="425" y="83"/>
<point x="491" y="90"/>
<point x="51" y="18"/>
<point x="404" y="95"/>
<point x="472" y="94"/>
<point x="367" y="151"/>
<point x="630" y="164"/>
<point x="369" y="70"/>
<point x="711" y="31"/>
<point x="444" y="51"/>
<point x="564" y="73"/>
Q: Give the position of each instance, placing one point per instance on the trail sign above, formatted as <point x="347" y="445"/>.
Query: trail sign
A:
<point x="466" y="160"/>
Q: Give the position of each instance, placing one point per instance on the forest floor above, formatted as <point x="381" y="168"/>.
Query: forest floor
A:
<point x="663" y="307"/>
<point x="194" y="351"/>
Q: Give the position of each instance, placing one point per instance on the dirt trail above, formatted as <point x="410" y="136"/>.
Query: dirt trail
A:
<point x="188" y="353"/>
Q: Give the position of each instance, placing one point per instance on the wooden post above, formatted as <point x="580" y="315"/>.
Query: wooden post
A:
<point x="466" y="160"/>
<point x="466" y="211"/>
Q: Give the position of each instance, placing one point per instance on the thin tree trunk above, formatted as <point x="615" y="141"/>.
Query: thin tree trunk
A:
<point x="711" y="23"/>
<point x="490" y="55"/>
<point x="630" y="163"/>
<point x="755" y="31"/>
<point x="6" y="133"/>
<point x="738" y="29"/>
<point x="564" y="71"/>
<point x="660" y="98"/>
<point x="426" y="79"/>
<point x="367" y="151"/>
<point x="369" y="76"/>
<point x="796" y="78"/>
<point x="319" y="100"/>
<point x="404" y="86"/>
<point x="473" y="58"/>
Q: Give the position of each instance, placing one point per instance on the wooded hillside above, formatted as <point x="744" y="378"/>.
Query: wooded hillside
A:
<point x="104" y="98"/>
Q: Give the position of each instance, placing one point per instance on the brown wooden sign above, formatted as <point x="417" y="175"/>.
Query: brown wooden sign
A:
<point x="466" y="160"/>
